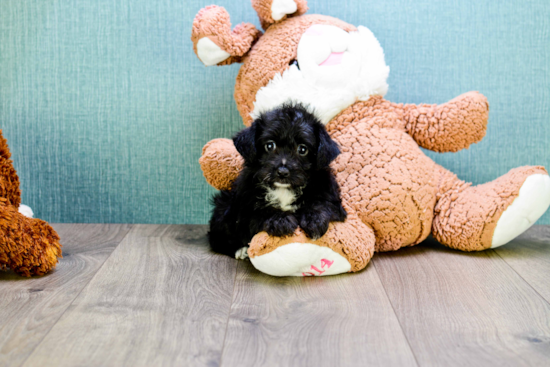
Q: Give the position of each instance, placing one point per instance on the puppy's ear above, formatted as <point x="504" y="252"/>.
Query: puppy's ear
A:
<point x="245" y="142"/>
<point x="328" y="149"/>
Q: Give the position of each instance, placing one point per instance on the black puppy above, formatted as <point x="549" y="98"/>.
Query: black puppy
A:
<point x="286" y="182"/>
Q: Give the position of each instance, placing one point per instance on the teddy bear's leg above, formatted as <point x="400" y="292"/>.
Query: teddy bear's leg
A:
<point x="448" y="127"/>
<point x="220" y="163"/>
<point x="473" y="218"/>
<point x="27" y="246"/>
<point x="346" y="247"/>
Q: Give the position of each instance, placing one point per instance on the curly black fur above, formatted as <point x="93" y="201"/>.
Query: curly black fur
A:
<point x="273" y="150"/>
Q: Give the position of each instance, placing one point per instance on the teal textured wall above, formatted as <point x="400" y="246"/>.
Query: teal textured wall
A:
<point x="106" y="108"/>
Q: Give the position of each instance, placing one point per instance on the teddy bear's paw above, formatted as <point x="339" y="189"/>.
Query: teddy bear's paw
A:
<point x="242" y="253"/>
<point x="210" y="53"/>
<point x="301" y="260"/>
<point x="533" y="200"/>
<point x="26" y="211"/>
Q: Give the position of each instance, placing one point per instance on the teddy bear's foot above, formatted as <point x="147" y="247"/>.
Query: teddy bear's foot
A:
<point x="474" y="218"/>
<point x="28" y="246"/>
<point x="301" y="259"/>
<point x="38" y="249"/>
<point x="532" y="202"/>
<point x="346" y="247"/>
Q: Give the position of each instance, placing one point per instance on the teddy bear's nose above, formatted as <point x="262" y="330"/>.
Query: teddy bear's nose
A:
<point x="282" y="172"/>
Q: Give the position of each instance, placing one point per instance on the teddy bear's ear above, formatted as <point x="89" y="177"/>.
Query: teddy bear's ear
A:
<point x="215" y="43"/>
<point x="273" y="11"/>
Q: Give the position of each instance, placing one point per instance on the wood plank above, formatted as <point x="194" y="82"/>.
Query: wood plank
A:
<point x="30" y="307"/>
<point x="162" y="298"/>
<point x="529" y="256"/>
<point x="343" y="320"/>
<point x="465" y="309"/>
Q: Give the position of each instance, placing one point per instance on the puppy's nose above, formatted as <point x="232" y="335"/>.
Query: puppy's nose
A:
<point x="282" y="172"/>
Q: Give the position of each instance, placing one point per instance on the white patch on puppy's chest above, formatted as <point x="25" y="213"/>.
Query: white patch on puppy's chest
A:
<point x="282" y="198"/>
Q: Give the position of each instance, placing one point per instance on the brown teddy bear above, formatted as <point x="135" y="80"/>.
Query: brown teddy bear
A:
<point x="394" y="194"/>
<point x="28" y="246"/>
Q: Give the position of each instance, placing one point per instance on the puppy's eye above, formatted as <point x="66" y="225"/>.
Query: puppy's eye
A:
<point x="294" y="62"/>
<point x="270" y="146"/>
<point x="302" y="150"/>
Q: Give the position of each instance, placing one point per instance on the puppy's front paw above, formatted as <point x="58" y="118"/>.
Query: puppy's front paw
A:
<point x="242" y="253"/>
<point x="314" y="225"/>
<point x="281" y="225"/>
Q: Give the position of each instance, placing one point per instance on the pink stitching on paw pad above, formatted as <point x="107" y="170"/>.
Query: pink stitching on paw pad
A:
<point x="324" y="263"/>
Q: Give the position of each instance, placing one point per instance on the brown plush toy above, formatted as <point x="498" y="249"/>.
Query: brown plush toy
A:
<point x="28" y="246"/>
<point x="395" y="196"/>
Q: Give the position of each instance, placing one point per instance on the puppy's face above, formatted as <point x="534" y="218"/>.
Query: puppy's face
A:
<point x="284" y="146"/>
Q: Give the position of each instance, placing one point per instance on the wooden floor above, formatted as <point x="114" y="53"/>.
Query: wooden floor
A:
<point x="153" y="295"/>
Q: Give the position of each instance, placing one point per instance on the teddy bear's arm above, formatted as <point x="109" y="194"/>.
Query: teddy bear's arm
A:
<point x="448" y="127"/>
<point x="9" y="181"/>
<point x="220" y="163"/>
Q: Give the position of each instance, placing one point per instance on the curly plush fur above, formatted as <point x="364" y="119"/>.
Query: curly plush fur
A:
<point x="395" y="195"/>
<point x="28" y="246"/>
